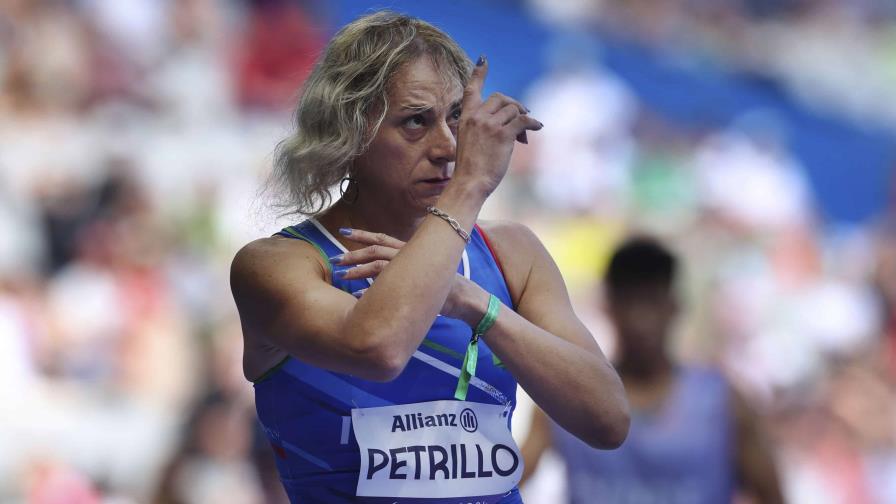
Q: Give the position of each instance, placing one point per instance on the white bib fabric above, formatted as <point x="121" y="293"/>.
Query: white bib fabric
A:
<point x="436" y="449"/>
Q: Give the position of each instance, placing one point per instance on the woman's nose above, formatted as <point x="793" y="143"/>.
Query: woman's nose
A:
<point x="444" y="144"/>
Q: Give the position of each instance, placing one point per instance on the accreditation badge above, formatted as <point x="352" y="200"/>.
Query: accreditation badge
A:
<point x="436" y="449"/>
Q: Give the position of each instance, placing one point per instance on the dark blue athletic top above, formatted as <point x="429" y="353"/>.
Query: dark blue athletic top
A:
<point x="306" y="410"/>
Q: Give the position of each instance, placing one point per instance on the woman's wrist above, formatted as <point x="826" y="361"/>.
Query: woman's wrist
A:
<point x="474" y="304"/>
<point x="468" y="188"/>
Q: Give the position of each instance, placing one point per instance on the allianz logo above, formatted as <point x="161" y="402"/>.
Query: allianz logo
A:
<point x="413" y="421"/>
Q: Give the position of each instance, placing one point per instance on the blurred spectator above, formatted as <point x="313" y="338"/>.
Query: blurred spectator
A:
<point x="281" y="44"/>
<point x="54" y="483"/>
<point x="581" y="162"/>
<point x="664" y="189"/>
<point x="46" y="57"/>
<point x="747" y="176"/>
<point x="212" y="464"/>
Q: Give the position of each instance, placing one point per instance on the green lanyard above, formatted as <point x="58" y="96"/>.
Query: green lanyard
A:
<point x="468" y="368"/>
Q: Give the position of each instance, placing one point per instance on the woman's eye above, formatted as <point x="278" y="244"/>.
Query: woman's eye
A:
<point x="415" y="121"/>
<point x="455" y="115"/>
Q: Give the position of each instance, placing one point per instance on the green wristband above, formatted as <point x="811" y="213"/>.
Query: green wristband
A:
<point x="468" y="368"/>
<point x="488" y="320"/>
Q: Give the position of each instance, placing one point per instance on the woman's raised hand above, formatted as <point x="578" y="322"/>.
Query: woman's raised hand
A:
<point x="487" y="131"/>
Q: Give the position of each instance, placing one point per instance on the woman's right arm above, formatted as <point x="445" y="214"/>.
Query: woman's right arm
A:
<point x="284" y="298"/>
<point x="283" y="295"/>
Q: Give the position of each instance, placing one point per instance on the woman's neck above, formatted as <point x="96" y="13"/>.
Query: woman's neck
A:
<point x="371" y="217"/>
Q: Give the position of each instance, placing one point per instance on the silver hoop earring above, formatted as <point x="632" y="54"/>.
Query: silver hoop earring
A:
<point x="348" y="190"/>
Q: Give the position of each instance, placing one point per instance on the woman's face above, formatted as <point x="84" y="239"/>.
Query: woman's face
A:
<point x="411" y="159"/>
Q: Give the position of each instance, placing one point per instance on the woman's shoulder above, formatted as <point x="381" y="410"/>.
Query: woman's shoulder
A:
<point x="506" y="231"/>
<point x="518" y="250"/>
<point x="263" y="270"/>
<point x="261" y="259"/>
<point x="513" y="241"/>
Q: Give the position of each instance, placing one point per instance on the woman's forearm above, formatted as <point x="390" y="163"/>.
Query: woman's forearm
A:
<point x="576" y="387"/>
<point x="395" y="313"/>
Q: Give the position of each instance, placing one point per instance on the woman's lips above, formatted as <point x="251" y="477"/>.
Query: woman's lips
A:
<point x="437" y="181"/>
<point x="434" y="186"/>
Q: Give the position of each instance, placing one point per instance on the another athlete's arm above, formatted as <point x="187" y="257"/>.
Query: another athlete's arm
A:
<point x="755" y="466"/>
<point x="537" y="441"/>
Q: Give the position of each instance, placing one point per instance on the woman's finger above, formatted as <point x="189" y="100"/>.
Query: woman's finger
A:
<point x="473" y="91"/>
<point x="366" y="237"/>
<point x="364" y="255"/>
<point x="523" y="123"/>
<point x="507" y="113"/>
<point x="498" y="101"/>
<point x="366" y="270"/>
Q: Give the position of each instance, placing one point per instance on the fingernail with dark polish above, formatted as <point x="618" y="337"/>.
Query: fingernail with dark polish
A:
<point x="480" y="61"/>
<point x="336" y="259"/>
<point x="345" y="231"/>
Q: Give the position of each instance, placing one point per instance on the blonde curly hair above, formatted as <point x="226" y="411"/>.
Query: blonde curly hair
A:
<point x="345" y="99"/>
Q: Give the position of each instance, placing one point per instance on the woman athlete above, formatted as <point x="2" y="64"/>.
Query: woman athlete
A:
<point x="402" y="389"/>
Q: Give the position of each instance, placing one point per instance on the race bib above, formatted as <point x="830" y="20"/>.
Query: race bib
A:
<point x="435" y="449"/>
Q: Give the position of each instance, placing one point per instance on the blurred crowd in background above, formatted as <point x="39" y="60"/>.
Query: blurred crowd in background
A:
<point x="135" y="135"/>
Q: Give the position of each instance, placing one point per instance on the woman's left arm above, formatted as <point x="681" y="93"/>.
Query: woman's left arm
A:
<point x="547" y="348"/>
<point x="543" y="344"/>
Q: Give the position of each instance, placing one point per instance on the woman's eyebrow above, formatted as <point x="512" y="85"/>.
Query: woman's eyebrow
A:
<point x="416" y="107"/>
<point x="425" y="107"/>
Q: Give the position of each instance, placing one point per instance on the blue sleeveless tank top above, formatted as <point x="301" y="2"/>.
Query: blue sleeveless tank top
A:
<point x="680" y="454"/>
<point x="305" y="411"/>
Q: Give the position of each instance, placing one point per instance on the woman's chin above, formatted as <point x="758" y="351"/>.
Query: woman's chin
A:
<point x="430" y="191"/>
<point x="420" y="206"/>
<point x="427" y="198"/>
